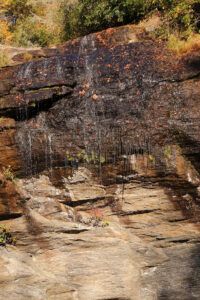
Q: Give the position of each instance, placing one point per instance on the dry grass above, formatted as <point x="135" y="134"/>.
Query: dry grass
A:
<point x="182" y="47"/>
<point x="27" y="56"/>
<point x="52" y="16"/>
<point x="46" y="27"/>
<point x="5" y="34"/>
<point x="4" y="59"/>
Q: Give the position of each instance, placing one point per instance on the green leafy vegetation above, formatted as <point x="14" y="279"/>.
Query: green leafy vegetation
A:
<point x="88" y="16"/>
<point x="6" y="237"/>
<point x="31" y="22"/>
<point x="168" y="152"/>
<point x="44" y="23"/>
<point x="84" y="157"/>
<point x="20" y="9"/>
<point x="28" y="33"/>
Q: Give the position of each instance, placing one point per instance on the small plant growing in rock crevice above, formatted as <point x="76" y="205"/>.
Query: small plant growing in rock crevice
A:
<point x="168" y="152"/>
<point x="97" y="219"/>
<point x="6" y="237"/>
<point x="8" y="173"/>
<point x="84" y="157"/>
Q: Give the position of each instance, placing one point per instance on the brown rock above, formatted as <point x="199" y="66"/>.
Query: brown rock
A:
<point x="10" y="200"/>
<point x="107" y="206"/>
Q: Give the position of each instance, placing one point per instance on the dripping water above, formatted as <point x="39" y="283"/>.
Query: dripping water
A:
<point x="50" y="151"/>
<point x="24" y="139"/>
<point x="59" y="68"/>
<point x="25" y="71"/>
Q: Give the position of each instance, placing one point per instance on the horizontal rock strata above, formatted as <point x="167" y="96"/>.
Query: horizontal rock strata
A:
<point x="99" y="171"/>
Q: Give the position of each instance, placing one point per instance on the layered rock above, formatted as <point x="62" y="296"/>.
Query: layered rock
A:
<point x="138" y="245"/>
<point x="99" y="96"/>
<point x="104" y="136"/>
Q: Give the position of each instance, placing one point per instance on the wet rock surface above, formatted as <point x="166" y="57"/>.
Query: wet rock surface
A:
<point x="99" y="162"/>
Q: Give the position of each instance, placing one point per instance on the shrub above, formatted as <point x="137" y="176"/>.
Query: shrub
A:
<point x="84" y="157"/>
<point x="25" y="27"/>
<point x="93" y="15"/>
<point x="4" y="5"/>
<point x="6" y="237"/>
<point x="42" y="23"/>
<point x="97" y="218"/>
<point x="90" y="16"/>
<point x="19" y="9"/>
<point x="5" y="34"/>
<point x="28" y="32"/>
<point x="8" y="173"/>
<point x="183" y="16"/>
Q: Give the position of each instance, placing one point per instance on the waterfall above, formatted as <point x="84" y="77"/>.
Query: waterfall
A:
<point x="49" y="151"/>
<point x="59" y="68"/>
<point x="24" y="139"/>
<point x="88" y="72"/>
<point x="25" y="71"/>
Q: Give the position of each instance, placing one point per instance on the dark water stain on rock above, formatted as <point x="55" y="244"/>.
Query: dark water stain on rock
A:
<point x="116" y="125"/>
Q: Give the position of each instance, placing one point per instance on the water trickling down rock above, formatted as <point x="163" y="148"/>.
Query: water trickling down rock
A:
<point x="103" y="135"/>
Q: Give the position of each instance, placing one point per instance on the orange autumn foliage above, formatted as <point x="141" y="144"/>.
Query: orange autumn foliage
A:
<point x="5" y="34"/>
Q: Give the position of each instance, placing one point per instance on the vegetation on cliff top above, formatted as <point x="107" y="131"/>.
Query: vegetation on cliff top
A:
<point x="44" y="23"/>
<point x="31" y="22"/>
<point x="89" y="15"/>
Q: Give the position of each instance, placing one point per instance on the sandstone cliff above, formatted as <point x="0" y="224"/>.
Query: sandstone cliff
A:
<point x="99" y="160"/>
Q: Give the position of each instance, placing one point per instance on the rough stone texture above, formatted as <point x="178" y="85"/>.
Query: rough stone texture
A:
<point x="103" y="97"/>
<point x="10" y="199"/>
<point x="103" y="134"/>
<point x="143" y="247"/>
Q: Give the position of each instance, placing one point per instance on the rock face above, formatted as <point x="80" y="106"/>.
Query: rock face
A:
<point x="99" y="161"/>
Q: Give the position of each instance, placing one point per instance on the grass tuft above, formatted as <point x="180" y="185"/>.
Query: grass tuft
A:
<point x="182" y="47"/>
<point x="4" y="59"/>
